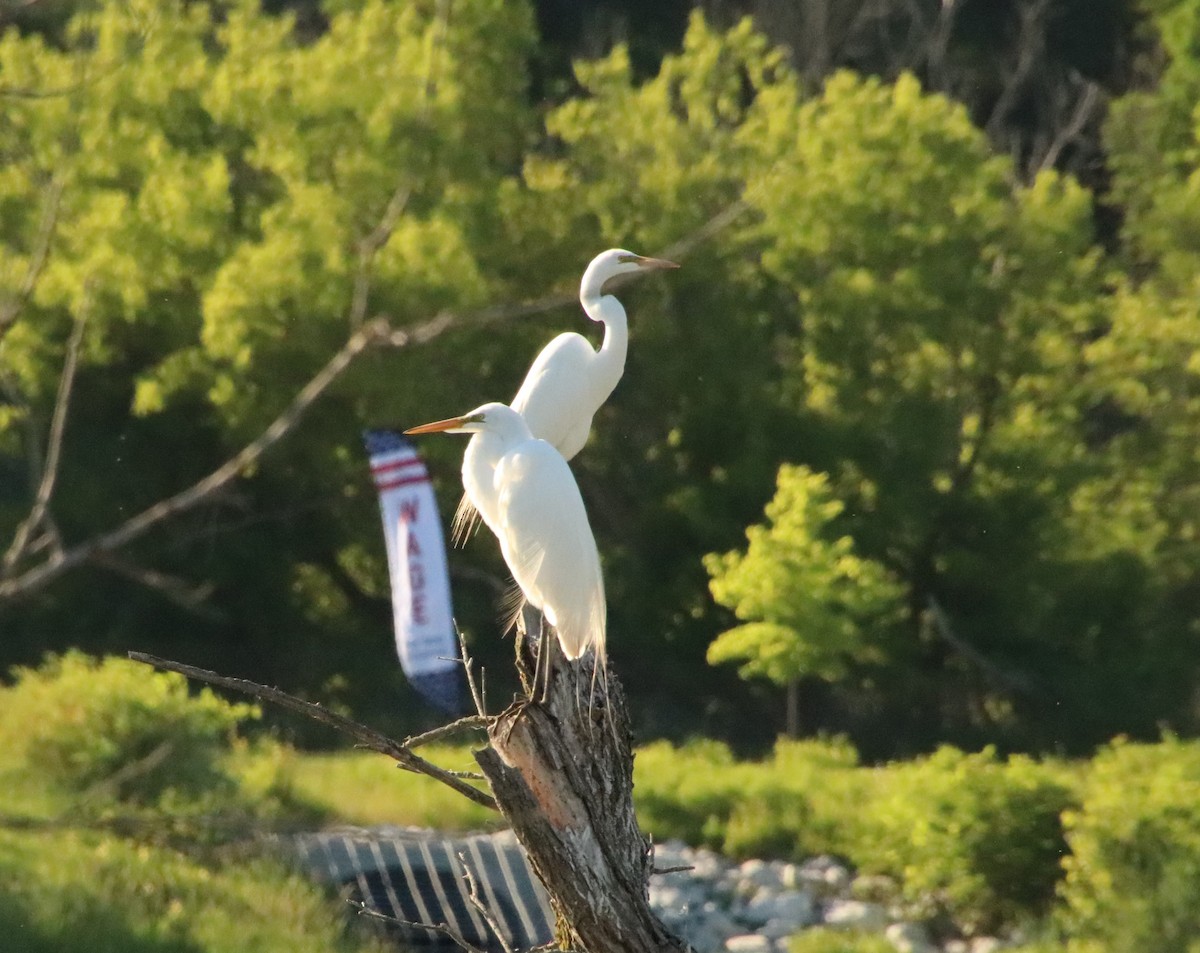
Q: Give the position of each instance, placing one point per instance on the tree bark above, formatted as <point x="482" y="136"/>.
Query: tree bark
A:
<point x="561" y="770"/>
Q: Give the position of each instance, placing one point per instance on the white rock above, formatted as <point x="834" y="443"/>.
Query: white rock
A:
<point x="957" y="946"/>
<point x="760" y="873"/>
<point x="856" y="914"/>
<point x="706" y="864"/>
<point x="749" y="943"/>
<point x="789" y="876"/>
<point x="837" y="877"/>
<point x="824" y="874"/>
<point x="795" y="906"/>
<point x="779" y="929"/>
<point x="759" y="909"/>
<point x="716" y="921"/>
<point x="986" y="944"/>
<point x="909" y="938"/>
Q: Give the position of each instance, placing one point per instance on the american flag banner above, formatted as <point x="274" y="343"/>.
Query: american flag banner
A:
<point x="416" y="551"/>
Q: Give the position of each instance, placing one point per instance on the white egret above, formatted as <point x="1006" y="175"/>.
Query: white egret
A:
<point x="529" y="499"/>
<point x="569" y="380"/>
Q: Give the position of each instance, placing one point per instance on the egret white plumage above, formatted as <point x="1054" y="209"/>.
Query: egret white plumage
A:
<point x="570" y="380"/>
<point x="529" y="499"/>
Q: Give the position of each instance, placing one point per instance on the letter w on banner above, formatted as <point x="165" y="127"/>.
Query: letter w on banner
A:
<point x="416" y="551"/>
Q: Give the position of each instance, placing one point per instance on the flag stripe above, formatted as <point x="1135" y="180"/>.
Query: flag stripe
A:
<point x="407" y="462"/>
<point x="402" y="481"/>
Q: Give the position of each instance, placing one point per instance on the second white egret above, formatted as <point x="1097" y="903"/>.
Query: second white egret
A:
<point x="528" y="497"/>
<point x="570" y="380"/>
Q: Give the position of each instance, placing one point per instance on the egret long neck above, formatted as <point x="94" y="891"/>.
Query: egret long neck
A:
<point x="610" y="361"/>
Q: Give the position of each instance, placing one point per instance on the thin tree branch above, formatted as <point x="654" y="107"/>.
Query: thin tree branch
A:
<point x="364" y="736"/>
<point x="443" y="928"/>
<point x="468" y="664"/>
<point x="437" y="734"/>
<point x="1081" y="115"/>
<point x="128" y="771"/>
<point x="369" y="247"/>
<point x="11" y="309"/>
<point x="178" y="591"/>
<point x="58" y="422"/>
<point x="1001" y="677"/>
<point x="478" y="904"/>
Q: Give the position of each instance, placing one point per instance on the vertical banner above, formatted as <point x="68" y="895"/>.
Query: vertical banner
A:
<point x="416" y="551"/>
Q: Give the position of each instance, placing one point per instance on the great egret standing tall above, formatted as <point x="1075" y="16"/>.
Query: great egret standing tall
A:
<point x="570" y="380"/>
<point x="532" y="504"/>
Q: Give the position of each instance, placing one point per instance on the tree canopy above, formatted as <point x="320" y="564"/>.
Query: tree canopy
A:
<point x="970" y="376"/>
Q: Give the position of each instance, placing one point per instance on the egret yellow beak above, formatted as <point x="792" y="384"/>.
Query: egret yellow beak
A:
<point x="656" y="264"/>
<point x="439" y="426"/>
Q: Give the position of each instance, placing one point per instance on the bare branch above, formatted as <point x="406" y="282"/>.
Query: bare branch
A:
<point x="469" y="667"/>
<point x="1086" y="106"/>
<point x="1001" y="677"/>
<point x="437" y="734"/>
<point x="11" y="309"/>
<point x="364" y="736"/>
<point x="369" y="247"/>
<point x="174" y="589"/>
<point x="478" y="904"/>
<point x="128" y="771"/>
<point x="58" y="422"/>
<point x="443" y="928"/>
<point x="186" y="499"/>
<point x="1031" y="44"/>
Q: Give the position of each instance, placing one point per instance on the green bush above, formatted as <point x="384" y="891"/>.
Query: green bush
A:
<point x="796" y="804"/>
<point x="968" y="835"/>
<point x="1133" y="877"/>
<point x="824" y="940"/>
<point x="116" y="726"/>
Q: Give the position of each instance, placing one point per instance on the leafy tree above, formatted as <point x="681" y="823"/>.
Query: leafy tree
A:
<point x="804" y="595"/>
<point x="807" y="601"/>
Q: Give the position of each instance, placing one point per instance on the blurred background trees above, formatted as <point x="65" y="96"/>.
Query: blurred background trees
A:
<point x="952" y="309"/>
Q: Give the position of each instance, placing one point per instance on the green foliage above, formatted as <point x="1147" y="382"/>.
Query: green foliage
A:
<point x="82" y="722"/>
<point x="805" y="596"/>
<point x="81" y="891"/>
<point x="979" y="837"/>
<point x="826" y="940"/>
<point x="794" y="805"/>
<point x="1135" y="851"/>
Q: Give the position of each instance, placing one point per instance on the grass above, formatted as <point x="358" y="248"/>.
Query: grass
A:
<point x="365" y="789"/>
<point x="91" y="891"/>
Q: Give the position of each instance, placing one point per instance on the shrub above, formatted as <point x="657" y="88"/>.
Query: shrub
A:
<point x="1133" y="877"/>
<point x="794" y="805"/>
<point x="824" y="940"/>
<point x="86" y="723"/>
<point x="977" y="837"/>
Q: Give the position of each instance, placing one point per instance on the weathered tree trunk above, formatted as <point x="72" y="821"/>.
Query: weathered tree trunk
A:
<point x="561" y="770"/>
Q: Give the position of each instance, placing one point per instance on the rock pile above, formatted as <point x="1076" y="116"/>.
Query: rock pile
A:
<point x="753" y="907"/>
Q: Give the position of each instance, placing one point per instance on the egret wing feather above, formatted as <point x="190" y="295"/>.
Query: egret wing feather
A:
<point x="555" y="397"/>
<point x="548" y="544"/>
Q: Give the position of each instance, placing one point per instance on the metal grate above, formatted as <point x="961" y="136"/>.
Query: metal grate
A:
<point x="418" y="876"/>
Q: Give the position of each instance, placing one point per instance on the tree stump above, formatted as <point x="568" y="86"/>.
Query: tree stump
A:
<point x="561" y="770"/>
